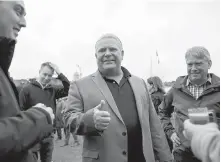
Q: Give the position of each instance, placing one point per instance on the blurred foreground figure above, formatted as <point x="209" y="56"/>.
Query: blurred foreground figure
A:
<point x="19" y="131"/>
<point x="113" y="110"/>
<point x="205" y="140"/>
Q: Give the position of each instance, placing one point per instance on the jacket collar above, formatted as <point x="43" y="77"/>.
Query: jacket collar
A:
<point x="209" y="80"/>
<point x="7" y="47"/>
<point x="102" y="86"/>
<point x="127" y="74"/>
<point x="38" y="84"/>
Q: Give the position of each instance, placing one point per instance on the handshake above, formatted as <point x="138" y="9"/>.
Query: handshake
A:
<point x="48" y="109"/>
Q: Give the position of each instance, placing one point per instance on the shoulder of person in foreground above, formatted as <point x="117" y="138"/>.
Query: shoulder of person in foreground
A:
<point x="24" y="130"/>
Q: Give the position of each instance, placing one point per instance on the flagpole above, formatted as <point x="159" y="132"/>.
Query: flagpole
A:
<point x="158" y="64"/>
<point x="150" y="65"/>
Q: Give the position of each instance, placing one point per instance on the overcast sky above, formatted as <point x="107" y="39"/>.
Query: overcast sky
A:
<point x="64" y="32"/>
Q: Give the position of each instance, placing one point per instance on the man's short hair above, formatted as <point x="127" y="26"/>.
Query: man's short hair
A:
<point x="112" y="36"/>
<point x="199" y="52"/>
<point x="46" y="64"/>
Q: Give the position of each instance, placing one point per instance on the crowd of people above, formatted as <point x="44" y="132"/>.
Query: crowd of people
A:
<point x="120" y="117"/>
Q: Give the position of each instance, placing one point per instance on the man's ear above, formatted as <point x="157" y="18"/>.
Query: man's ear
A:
<point x="122" y="54"/>
<point x="210" y="63"/>
<point x="95" y="55"/>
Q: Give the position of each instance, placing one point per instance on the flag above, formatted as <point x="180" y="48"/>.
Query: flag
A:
<point x="158" y="58"/>
<point x="79" y="70"/>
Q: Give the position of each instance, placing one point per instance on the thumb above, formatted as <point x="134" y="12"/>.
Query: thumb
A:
<point x="99" y="107"/>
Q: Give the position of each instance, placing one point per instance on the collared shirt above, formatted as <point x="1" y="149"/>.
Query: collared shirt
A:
<point x="125" y="101"/>
<point x="197" y="90"/>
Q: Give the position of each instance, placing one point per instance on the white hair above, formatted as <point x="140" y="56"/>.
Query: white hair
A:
<point x="199" y="52"/>
<point x="112" y="36"/>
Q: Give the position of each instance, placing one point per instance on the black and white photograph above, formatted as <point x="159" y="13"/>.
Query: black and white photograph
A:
<point x="110" y="81"/>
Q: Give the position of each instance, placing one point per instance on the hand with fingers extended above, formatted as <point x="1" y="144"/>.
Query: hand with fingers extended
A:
<point x="101" y="117"/>
<point x="175" y="139"/>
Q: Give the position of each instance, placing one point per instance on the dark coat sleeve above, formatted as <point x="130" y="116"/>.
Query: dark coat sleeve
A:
<point x="156" y="102"/>
<point x="24" y="98"/>
<point x="165" y="111"/>
<point x="22" y="132"/>
<point x="64" y="91"/>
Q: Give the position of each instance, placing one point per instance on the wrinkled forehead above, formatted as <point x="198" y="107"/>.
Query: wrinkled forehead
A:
<point x="196" y="59"/>
<point x="9" y="2"/>
<point x="12" y="4"/>
<point x="19" y="3"/>
<point x="108" y="42"/>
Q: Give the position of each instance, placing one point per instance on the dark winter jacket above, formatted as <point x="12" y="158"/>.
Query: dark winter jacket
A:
<point x="19" y="131"/>
<point x="157" y="98"/>
<point x="179" y="99"/>
<point x="33" y="93"/>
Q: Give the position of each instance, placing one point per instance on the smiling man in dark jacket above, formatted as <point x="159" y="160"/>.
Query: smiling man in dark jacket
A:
<point x="198" y="89"/>
<point x="19" y="131"/>
<point x="40" y="90"/>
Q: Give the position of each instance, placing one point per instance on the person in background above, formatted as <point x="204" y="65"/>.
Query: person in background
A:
<point x="20" y="84"/>
<point x="113" y="110"/>
<point x="58" y="118"/>
<point x="62" y="107"/>
<point x="19" y="130"/>
<point x="76" y="77"/>
<point x="157" y="92"/>
<point x="40" y="90"/>
<point x="197" y="89"/>
<point x="204" y="139"/>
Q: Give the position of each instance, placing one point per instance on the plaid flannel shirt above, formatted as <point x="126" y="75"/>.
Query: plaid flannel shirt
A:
<point x="197" y="90"/>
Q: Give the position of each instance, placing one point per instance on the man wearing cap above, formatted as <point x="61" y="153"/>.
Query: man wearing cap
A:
<point x="112" y="109"/>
